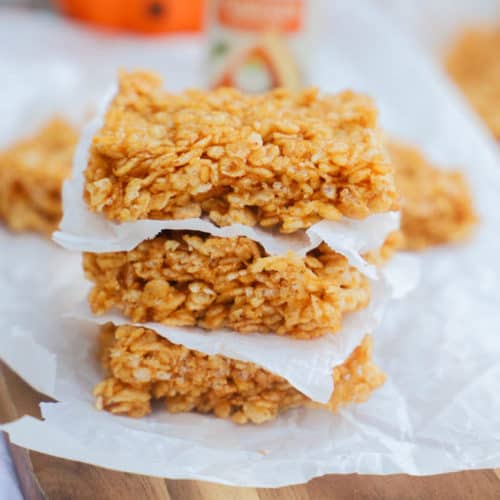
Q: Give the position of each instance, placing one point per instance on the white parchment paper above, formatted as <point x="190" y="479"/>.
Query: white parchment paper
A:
<point x="439" y="410"/>
<point x="436" y="24"/>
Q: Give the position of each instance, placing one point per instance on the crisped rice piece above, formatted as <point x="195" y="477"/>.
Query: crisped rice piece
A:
<point x="188" y="278"/>
<point x="31" y="176"/>
<point x="142" y="366"/>
<point x="395" y="241"/>
<point x="436" y="204"/>
<point x="282" y="159"/>
<point x="474" y="64"/>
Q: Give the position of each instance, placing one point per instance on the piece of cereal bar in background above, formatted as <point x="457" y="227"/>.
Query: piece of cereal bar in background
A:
<point x="474" y="64"/>
<point x="436" y="204"/>
<point x="31" y="175"/>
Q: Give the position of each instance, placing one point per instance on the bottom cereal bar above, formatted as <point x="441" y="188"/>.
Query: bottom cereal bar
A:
<point x="31" y="176"/>
<point x="142" y="366"/>
<point x="436" y="204"/>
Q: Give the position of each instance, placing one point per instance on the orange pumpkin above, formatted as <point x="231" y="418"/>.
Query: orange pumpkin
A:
<point x="140" y="16"/>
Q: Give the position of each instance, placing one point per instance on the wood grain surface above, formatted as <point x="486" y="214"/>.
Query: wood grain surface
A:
<point x="45" y="477"/>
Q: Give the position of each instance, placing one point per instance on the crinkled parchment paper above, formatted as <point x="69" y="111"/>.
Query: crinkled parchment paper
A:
<point x="440" y="408"/>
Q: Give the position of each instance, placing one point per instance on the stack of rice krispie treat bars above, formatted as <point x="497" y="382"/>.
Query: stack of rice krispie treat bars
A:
<point x="247" y="169"/>
<point x="282" y="162"/>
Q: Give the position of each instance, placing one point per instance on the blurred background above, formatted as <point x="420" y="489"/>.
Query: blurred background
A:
<point x="59" y="55"/>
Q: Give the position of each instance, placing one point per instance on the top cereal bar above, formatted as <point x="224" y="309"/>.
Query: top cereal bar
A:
<point x="281" y="159"/>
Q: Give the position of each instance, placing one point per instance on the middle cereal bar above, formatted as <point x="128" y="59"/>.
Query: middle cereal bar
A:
<point x="185" y="278"/>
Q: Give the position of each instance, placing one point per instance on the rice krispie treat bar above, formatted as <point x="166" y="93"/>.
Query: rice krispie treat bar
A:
<point x="31" y="176"/>
<point x="474" y="64"/>
<point x="436" y="204"/>
<point x="142" y="366"/>
<point x="189" y="278"/>
<point x="282" y="159"/>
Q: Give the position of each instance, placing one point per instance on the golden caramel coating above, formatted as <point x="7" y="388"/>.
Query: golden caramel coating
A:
<point x="188" y="278"/>
<point x="31" y="176"/>
<point x="285" y="159"/>
<point x="142" y="366"/>
<point x="436" y="204"/>
<point x="474" y="64"/>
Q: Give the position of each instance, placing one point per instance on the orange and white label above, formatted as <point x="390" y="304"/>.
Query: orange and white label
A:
<point x="261" y="15"/>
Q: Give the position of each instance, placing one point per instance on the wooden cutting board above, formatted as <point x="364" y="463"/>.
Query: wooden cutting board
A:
<point x="46" y="477"/>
